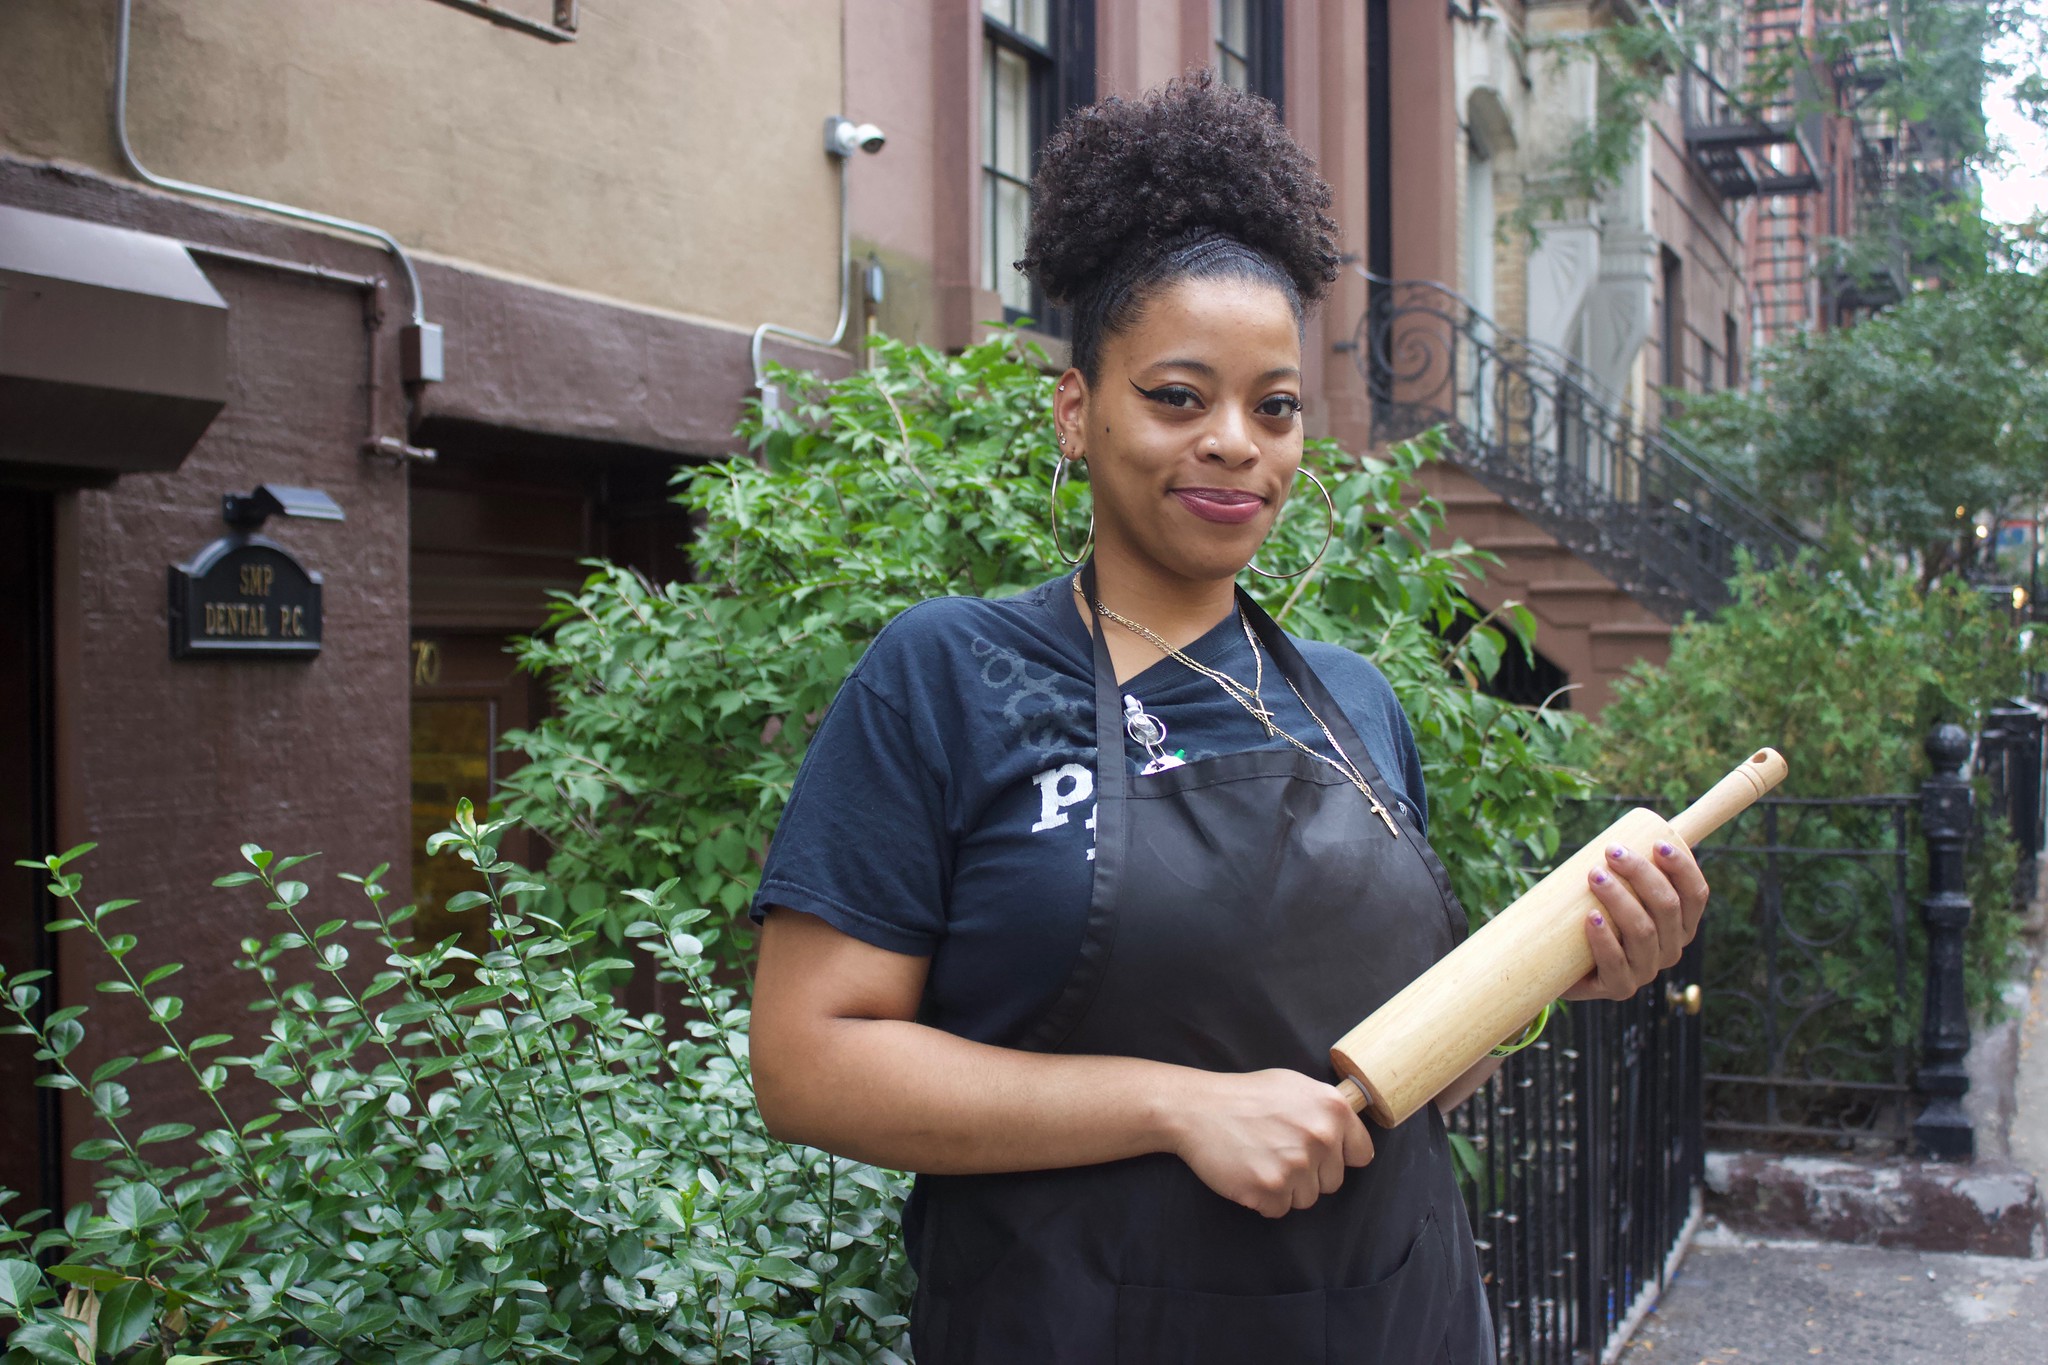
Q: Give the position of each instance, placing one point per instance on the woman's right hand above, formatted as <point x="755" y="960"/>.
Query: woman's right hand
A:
<point x="1272" y="1141"/>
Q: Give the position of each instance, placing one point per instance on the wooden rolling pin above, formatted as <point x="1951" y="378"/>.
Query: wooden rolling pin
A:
<point x="1493" y="984"/>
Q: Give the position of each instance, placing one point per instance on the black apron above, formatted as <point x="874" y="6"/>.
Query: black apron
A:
<point x="1247" y="911"/>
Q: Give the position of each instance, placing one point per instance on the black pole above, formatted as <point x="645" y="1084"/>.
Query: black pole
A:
<point x="1943" y="1130"/>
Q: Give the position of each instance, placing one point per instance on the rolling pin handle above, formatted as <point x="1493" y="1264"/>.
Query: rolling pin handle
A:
<point x="1730" y="796"/>
<point x="1353" y="1095"/>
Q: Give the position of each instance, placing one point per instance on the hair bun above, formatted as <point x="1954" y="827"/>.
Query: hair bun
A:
<point x="1189" y="157"/>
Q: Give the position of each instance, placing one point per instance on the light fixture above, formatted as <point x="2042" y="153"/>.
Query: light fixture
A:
<point x="2019" y="598"/>
<point x="1983" y="531"/>
<point x="247" y="511"/>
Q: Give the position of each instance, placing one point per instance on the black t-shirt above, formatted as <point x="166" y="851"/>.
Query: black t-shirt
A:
<point x="946" y="805"/>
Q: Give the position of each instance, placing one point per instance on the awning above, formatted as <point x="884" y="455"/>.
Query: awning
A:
<point x="113" y="349"/>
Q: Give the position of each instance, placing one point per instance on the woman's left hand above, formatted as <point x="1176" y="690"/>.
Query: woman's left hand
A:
<point x="1650" y="907"/>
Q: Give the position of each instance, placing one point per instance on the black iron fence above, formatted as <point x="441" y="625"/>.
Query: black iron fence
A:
<point x="1815" y="1010"/>
<point x="2014" y="761"/>
<point x="1589" y="1152"/>
<point x="1807" y="970"/>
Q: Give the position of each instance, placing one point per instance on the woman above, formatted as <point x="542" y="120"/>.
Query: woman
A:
<point x="1076" y="888"/>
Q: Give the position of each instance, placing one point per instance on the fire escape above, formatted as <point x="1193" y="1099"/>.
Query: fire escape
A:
<point x="1769" y="117"/>
<point x="1753" y="128"/>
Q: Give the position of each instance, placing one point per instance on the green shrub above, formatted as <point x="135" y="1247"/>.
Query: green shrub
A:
<point x="1845" y="673"/>
<point x="514" y="1169"/>
<point x="681" y="711"/>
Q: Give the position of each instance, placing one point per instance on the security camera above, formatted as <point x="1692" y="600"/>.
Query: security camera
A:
<point x="843" y="136"/>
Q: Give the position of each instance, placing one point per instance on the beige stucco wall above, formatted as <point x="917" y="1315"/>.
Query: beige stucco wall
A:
<point x="670" y="157"/>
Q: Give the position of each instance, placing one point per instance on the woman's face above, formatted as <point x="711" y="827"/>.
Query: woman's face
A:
<point x="1192" y="430"/>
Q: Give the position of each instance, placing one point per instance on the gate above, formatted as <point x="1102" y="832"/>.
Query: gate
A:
<point x="1585" y="1167"/>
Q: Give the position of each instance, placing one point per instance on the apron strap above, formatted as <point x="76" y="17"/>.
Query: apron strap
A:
<point x="1111" y="824"/>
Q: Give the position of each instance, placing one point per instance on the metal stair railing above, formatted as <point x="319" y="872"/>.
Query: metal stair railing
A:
<point x="1547" y="438"/>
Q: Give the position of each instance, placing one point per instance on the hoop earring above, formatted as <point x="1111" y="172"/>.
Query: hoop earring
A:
<point x="1329" y="535"/>
<point x="1059" y="468"/>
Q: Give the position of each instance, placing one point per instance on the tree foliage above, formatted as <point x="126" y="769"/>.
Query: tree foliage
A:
<point x="681" y="710"/>
<point x="1898" y="434"/>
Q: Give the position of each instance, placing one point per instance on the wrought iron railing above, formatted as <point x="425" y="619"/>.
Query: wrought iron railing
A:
<point x="1809" y="973"/>
<point x="1589" y="1151"/>
<point x="2013" y="758"/>
<point x="1544" y="435"/>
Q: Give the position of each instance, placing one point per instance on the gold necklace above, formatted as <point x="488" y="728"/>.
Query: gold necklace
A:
<point x="1251" y="700"/>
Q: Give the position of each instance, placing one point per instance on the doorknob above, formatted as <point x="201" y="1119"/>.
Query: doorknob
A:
<point x="1691" y="999"/>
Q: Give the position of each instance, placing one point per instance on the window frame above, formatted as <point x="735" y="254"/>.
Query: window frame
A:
<point x="1062" y="79"/>
<point x="1264" y="56"/>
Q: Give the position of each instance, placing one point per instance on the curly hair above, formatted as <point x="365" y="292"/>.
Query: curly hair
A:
<point x="1193" y="180"/>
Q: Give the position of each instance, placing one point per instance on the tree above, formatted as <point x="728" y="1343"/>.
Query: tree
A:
<point x="1898" y="435"/>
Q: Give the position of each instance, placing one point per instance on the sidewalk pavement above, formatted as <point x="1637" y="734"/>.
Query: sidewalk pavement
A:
<point x="1738" y="1300"/>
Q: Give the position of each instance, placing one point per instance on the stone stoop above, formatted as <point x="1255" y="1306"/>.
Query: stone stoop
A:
<point x="1989" y="1208"/>
<point x="1992" y="1206"/>
<point x="1586" y="625"/>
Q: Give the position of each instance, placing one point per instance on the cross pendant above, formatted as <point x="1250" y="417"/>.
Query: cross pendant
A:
<point x="1385" y="817"/>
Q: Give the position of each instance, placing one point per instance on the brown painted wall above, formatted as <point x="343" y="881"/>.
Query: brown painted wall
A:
<point x="170" y="765"/>
<point x="1423" y="87"/>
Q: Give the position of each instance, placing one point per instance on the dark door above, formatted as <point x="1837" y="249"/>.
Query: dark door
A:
<point x="499" y="522"/>
<point x="28" y="1128"/>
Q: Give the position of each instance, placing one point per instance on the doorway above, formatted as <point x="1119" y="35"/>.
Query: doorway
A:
<point x="499" y="522"/>
<point x="29" y="1146"/>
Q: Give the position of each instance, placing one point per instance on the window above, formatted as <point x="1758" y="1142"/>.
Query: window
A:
<point x="1731" y="351"/>
<point x="1673" y="338"/>
<point x="1038" y="62"/>
<point x="1248" y="47"/>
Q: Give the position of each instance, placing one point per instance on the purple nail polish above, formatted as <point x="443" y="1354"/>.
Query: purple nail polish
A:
<point x="1599" y="879"/>
<point x="1598" y="920"/>
<point x="1667" y="850"/>
<point x="1617" y="852"/>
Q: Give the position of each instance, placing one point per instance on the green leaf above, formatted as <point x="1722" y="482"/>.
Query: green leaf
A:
<point x="164" y="1132"/>
<point x="466" y="900"/>
<point x="134" y="1206"/>
<point x="21" y="1284"/>
<point x="56" y="1341"/>
<point x="99" y="1279"/>
<point x="77" y="851"/>
<point x="126" y="1312"/>
<point x="112" y="1067"/>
